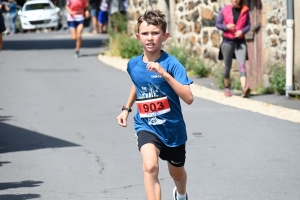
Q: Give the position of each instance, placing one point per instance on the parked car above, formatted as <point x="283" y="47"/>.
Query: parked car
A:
<point x="37" y="14"/>
<point x="7" y="21"/>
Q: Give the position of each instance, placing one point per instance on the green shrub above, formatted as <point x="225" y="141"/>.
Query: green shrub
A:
<point x="179" y="52"/>
<point x="236" y="83"/>
<point x="122" y="45"/>
<point x="130" y="47"/>
<point x="218" y="74"/>
<point x="264" y="90"/>
<point x="117" y="23"/>
<point x="277" y="78"/>
<point x="196" y="65"/>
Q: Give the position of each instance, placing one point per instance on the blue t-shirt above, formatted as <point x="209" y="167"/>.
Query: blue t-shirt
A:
<point x="12" y="8"/>
<point x="169" y="127"/>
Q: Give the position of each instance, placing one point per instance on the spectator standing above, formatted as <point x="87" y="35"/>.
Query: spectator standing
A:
<point x="12" y="9"/>
<point x="77" y="11"/>
<point x="2" y="29"/>
<point x="94" y="8"/>
<point x="103" y="16"/>
<point x="234" y="21"/>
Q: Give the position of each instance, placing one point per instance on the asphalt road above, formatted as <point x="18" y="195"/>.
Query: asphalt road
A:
<point x="59" y="138"/>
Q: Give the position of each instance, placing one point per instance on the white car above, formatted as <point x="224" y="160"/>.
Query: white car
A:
<point x="37" y="14"/>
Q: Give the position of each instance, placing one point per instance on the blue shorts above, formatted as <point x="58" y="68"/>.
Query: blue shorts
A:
<point x="102" y="17"/>
<point x="93" y="12"/>
<point x="74" y="24"/>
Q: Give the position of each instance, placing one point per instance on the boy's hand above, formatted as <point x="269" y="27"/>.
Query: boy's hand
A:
<point x="156" y="67"/>
<point x="122" y="118"/>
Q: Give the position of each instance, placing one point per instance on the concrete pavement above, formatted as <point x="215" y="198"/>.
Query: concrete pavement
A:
<point x="59" y="138"/>
<point x="249" y="104"/>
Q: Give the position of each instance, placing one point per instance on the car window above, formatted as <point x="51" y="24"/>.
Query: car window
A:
<point x="38" y="6"/>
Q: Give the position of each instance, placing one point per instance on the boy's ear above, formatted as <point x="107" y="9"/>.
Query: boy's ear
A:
<point x="137" y="36"/>
<point x="166" y="36"/>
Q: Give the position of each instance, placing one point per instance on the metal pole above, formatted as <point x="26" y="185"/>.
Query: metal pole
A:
<point x="289" y="47"/>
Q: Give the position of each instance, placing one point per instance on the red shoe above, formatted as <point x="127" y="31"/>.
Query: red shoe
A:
<point x="246" y="92"/>
<point x="227" y="92"/>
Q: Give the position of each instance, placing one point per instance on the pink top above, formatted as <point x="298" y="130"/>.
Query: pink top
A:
<point x="78" y="6"/>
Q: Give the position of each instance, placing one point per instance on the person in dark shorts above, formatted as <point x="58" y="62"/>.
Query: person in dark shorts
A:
<point x="2" y="29"/>
<point x="77" y="12"/>
<point x="159" y="82"/>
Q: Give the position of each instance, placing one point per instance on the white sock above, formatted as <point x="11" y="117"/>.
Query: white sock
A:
<point x="181" y="196"/>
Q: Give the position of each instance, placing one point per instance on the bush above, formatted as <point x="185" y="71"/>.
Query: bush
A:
<point x="181" y="53"/>
<point x="122" y="45"/>
<point x="117" y="23"/>
<point x="264" y="90"/>
<point x="218" y="74"/>
<point x="196" y="65"/>
<point x="236" y="83"/>
<point x="130" y="47"/>
<point x="277" y="78"/>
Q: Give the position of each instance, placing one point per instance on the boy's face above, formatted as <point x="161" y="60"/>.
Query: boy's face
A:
<point x="151" y="37"/>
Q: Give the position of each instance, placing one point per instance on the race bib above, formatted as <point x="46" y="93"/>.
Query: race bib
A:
<point x="153" y="107"/>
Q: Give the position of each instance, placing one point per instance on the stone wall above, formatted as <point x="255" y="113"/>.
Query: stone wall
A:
<point x="193" y="25"/>
<point x="274" y="31"/>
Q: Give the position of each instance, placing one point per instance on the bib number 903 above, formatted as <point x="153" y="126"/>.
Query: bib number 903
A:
<point x="153" y="107"/>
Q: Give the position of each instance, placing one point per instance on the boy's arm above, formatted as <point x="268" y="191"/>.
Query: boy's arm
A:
<point x="122" y="118"/>
<point x="183" y="91"/>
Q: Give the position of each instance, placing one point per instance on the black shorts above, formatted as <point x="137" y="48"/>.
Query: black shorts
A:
<point x="174" y="155"/>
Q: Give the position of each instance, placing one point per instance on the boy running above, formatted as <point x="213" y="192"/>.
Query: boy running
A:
<point x="159" y="80"/>
<point x="77" y="11"/>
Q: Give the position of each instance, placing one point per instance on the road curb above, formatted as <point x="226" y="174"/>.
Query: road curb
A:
<point x="218" y="97"/>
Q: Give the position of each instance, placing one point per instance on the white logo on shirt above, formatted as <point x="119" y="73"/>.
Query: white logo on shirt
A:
<point x="155" y="76"/>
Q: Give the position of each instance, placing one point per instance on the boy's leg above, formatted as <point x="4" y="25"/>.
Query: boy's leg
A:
<point x="179" y="176"/>
<point x="150" y="167"/>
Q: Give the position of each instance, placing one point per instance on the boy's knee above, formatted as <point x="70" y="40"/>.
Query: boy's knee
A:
<point x="150" y="167"/>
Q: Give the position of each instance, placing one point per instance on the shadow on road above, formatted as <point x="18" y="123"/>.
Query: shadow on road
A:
<point x="51" y="44"/>
<point x="5" y="186"/>
<point x="13" y="139"/>
<point x="19" y="196"/>
<point x="1" y="163"/>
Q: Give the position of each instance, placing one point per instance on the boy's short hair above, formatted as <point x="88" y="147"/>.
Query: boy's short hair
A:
<point x="153" y="17"/>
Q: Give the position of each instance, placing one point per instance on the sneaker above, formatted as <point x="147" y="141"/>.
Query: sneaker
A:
<point x="227" y="92"/>
<point x="246" y="92"/>
<point x="175" y="194"/>
<point x="76" y="55"/>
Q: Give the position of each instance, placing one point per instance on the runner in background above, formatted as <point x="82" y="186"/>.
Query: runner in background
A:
<point x="77" y="12"/>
